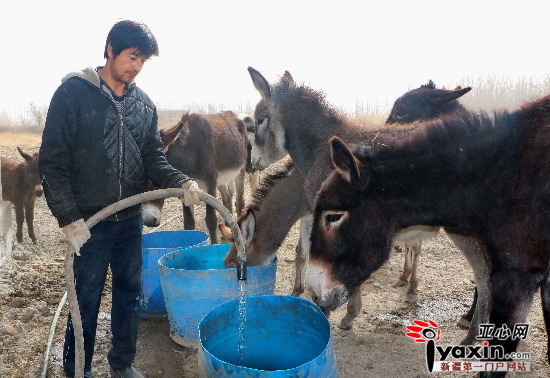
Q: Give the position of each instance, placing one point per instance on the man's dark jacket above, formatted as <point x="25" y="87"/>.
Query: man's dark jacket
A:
<point x="91" y="157"/>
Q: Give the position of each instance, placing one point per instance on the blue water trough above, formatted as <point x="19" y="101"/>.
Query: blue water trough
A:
<point x="194" y="281"/>
<point x="284" y="336"/>
<point x="155" y="245"/>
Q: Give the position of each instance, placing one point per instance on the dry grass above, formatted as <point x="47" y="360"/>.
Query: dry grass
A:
<point x="12" y="139"/>
<point x="369" y="119"/>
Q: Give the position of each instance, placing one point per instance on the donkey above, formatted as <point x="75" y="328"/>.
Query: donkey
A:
<point x="21" y="185"/>
<point x="481" y="174"/>
<point x="296" y="120"/>
<point x="212" y="149"/>
<point x="423" y="104"/>
<point x="252" y="174"/>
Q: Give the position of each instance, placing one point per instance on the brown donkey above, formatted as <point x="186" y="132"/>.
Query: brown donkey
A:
<point x="212" y="149"/>
<point x="21" y="185"/>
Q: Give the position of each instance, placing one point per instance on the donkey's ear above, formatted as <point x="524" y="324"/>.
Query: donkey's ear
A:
<point x="25" y="155"/>
<point x="260" y="83"/>
<point x="289" y="79"/>
<point x="170" y="135"/>
<point x="248" y="226"/>
<point x="347" y="165"/>
<point x="445" y="95"/>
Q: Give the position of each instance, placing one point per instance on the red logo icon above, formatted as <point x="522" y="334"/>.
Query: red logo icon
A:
<point x="422" y="331"/>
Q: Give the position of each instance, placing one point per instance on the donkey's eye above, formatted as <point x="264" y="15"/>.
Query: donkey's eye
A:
<point x="333" y="219"/>
<point x="399" y="115"/>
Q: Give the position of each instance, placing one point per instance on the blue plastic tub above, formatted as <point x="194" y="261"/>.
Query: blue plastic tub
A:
<point x="284" y="336"/>
<point x="194" y="281"/>
<point x="155" y="245"/>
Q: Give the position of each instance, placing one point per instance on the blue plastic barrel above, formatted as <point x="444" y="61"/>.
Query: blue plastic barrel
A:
<point x="284" y="336"/>
<point x="194" y="281"/>
<point x="155" y="245"/>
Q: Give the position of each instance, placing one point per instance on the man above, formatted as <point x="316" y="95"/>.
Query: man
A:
<point x="100" y="145"/>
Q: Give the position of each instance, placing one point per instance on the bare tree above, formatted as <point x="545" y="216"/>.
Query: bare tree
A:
<point x="38" y="114"/>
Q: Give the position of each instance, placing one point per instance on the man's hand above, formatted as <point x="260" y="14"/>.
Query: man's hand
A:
<point x="190" y="197"/>
<point x="77" y="233"/>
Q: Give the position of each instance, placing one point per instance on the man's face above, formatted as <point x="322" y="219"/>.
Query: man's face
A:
<point x="126" y="65"/>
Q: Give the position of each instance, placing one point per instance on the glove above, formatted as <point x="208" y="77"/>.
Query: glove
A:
<point x="77" y="233"/>
<point x="190" y="197"/>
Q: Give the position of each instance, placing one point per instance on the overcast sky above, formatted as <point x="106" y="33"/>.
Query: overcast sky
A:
<point x="370" y="51"/>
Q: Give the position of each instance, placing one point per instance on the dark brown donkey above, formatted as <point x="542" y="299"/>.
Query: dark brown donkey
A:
<point x="488" y="175"/>
<point x="297" y="120"/>
<point x="212" y="149"/>
<point x="424" y="104"/>
<point x="21" y="185"/>
<point x="421" y="104"/>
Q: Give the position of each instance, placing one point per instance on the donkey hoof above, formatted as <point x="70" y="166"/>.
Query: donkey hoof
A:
<point x="401" y="283"/>
<point x="412" y="298"/>
<point x="467" y="341"/>
<point x="297" y="293"/>
<point x="464" y="323"/>
<point x="345" y="324"/>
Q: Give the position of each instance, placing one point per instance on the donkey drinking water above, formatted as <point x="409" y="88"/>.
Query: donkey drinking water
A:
<point x="296" y="120"/>
<point x="488" y="175"/>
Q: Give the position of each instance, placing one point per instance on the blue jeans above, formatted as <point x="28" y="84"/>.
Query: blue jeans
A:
<point x="117" y="244"/>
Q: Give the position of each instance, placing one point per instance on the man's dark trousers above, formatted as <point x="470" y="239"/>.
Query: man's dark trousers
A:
<point x="116" y="244"/>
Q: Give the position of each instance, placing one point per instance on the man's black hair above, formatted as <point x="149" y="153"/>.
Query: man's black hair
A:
<point x="126" y="34"/>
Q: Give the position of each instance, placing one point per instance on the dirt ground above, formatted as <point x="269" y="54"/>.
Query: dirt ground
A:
<point x="32" y="285"/>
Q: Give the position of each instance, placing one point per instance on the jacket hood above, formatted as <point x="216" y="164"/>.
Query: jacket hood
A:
<point x="89" y="74"/>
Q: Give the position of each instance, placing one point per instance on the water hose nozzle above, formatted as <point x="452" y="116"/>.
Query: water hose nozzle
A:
<point x="241" y="271"/>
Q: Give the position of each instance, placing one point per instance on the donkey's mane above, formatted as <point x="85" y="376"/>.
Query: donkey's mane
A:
<point x="308" y="102"/>
<point x="430" y="85"/>
<point x="265" y="186"/>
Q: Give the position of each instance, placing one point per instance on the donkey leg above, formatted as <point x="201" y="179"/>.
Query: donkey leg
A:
<point x="239" y="191"/>
<point x="227" y="197"/>
<point x="29" y="217"/>
<point x="466" y="319"/>
<point x="211" y="218"/>
<point x="412" y="293"/>
<point x="481" y="306"/>
<point x="300" y="263"/>
<point x="302" y="252"/>
<point x="545" y="298"/>
<point x="254" y="179"/>
<point x="188" y="218"/>
<point x="476" y="253"/>
<point x="353" y="309"/>
<point x="407" y="268"/>
<point x="19" y="219"/>
<point x="512" y="297"/>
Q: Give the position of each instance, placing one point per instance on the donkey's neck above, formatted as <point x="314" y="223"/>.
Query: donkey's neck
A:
<point x="282" y="194"/>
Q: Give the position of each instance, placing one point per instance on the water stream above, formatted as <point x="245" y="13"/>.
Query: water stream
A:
<point x="242" y="320"/>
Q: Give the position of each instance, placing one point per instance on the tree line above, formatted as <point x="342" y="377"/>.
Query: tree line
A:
<point x="488" y="93"/>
